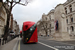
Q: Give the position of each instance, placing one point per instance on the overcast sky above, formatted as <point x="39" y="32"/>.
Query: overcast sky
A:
<point x="34" y="10"/>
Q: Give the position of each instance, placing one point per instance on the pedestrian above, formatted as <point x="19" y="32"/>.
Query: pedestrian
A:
<point x="48" y="34"/>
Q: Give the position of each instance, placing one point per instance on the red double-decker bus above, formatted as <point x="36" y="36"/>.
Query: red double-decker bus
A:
<point x="21" y="33"/>
<point x="29" y="32"/>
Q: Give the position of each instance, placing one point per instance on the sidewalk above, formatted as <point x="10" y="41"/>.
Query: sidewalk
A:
<point x="10" y="45"/>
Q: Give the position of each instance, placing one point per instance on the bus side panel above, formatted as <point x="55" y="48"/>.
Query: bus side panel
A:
<point x="34" y="37"/>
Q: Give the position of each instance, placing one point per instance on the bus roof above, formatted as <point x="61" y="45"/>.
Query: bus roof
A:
<point x="20" y="31"/>
<point x="28" y="22"/>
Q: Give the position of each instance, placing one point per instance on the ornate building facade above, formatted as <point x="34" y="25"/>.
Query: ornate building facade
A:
<point x="3" y="19"/>
<point x="15" y="27"/>
<point x="64" y="14"/>
<point x="69" y="6"/>
<point x="51" y="22"/>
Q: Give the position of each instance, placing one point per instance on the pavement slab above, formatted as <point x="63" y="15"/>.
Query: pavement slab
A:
<point x="10" y="45"/>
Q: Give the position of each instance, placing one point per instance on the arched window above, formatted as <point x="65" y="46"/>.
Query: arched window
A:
<point x="66" y="10"/>
<point x="72" y="19"/>
<point x="50" y="25"/>
<point x="67" y="20"/>
<point x="50" y="31"/>
<point x="72" y="28"/>
<point x="70" y="7"/>
<point x="46" y="18"/>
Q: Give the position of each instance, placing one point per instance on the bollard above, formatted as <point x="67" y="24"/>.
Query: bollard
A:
<point x="1" y="41"/>
<point x="19" y="36"/>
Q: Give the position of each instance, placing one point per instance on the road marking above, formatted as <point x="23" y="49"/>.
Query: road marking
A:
<point x="48" y="46"/>
<point x="60" y="42"/>
<point x="19" y="46"/>
<point x="64" y="43"/>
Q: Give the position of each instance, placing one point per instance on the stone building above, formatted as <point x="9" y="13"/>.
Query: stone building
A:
<point x="69" y="6"/>
<point x="15" y="27"/>
<point x="62" y="26"/>
<point x="40" y="28"/>
<point x="18" y="30"/>
<point x="3" y="19"/>
<point x="11" y="23"/>
<point x="51" y="22"/>
<point x="65" y="15"/>
<point x="44" y="25"/>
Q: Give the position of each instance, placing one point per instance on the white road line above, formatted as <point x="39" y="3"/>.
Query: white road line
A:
<point x="48" y="46"/>
<point x="61" y="42"/>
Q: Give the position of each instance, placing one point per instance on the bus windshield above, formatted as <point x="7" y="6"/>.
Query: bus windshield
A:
<point x="33" y="27"/>
<point x="30" y="31"/>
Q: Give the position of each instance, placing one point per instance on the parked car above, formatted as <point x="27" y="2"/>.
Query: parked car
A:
<point x="12" y="34"/>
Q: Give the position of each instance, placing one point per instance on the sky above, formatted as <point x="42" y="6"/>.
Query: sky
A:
<point x="34" y="10"/>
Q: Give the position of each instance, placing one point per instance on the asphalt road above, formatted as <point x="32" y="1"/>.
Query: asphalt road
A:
<point x="44" y="44"/>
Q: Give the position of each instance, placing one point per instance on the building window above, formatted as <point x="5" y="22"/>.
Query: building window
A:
<point x="70" y="7"/>
<point x="50" y="18"/>
<point x="72" y="28"/>
<point x="67" y="20"/>
<point x="50" y="31"/>
<point x="71" y="19"/>
<point x="50" y="25"/>
<point x="67" y="29"/>
<point x="0" y="22"/>
<point x="66" y="10"/>
<point x="46" y="18"/>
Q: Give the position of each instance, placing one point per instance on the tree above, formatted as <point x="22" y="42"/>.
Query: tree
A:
<point x="43" y="26"/>
<point x="8" y="5"/>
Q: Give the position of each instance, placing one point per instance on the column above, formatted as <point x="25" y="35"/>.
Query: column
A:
<point x="74" y="30"/>
<point x="69" y="29"/>
<point x="69" y="20"/>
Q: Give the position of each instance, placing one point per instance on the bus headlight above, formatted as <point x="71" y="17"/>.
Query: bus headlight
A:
<point x="27" y="38"/>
